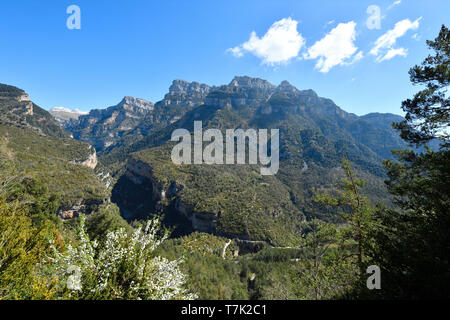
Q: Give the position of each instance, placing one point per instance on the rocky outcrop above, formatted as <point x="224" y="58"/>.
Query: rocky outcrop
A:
<point x="135" y="106"/>
<point x="182" y="86"/>
<point x="219" y="100"/>
<point x="203" y="222"/>
<point x="105" y="127"/>
<point x="140" y="173"/>
<point x="24" y="97"/>
<point x="18" y="102"/>
<point x="242" y="91"/>
<point x="79" y="208"/>
<point x="187" y="94"/>
<point x="91" y="162"/>
<point x="16" y="109"/>
<point x="251" y="83"/>
<point x="69" y="213"/>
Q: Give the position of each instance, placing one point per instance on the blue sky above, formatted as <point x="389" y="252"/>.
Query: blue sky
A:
<point x="138" y="47"/>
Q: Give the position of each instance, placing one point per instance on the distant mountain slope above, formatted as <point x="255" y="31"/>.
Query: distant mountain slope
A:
<point x="261" y="105"/>
<point x="104" y="128"/>
<point x="382" y="120"/>
<point x="17" y="110"/>
<point x="134" y="118"/>
<point x="65" y="116"/>
<point x="34" y="146"/>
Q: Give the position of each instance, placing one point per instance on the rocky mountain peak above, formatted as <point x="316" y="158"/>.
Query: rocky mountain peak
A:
<point x="15" y="100"/>
<point x="8" y="92"/>
<point x="183" y="86"/>
<point x="251" y="83"/>
<point x="285" y="83"/>
<point x="17" y="110"/>
<point x="184" y="93"/>
<point x="286" y="87"/>
<point x="136" y="103"/>
<point x="309" y="93"/>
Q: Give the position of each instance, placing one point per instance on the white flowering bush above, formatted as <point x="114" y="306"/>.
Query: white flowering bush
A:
<point x="123" y="267"/>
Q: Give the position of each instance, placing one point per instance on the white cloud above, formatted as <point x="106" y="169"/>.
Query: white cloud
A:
<point x="336" y="48"/>
<point x="395" y="3"/>
<point x="416" y="36"/>
<point x="281" y="43"/>
<point x="356" y="58"/>
<point x="392" y="53"/>
<point x="236" y="51"/>
<point x="384" y="49"/>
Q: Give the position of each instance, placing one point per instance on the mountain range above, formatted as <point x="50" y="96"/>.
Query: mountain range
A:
<point x="132" y="143"/>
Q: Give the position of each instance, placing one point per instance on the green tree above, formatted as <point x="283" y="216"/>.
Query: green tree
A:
<point x="413" y="244"/>
<point x="22" y="247"/>
<point x="327" y="267"/>
<point x="427" y="114"/>
<point x="356" y="211"/>
<point x="105" y="220"/>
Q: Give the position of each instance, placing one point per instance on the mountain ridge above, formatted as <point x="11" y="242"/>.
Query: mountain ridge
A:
<point x="133" y="139"/>
<point x="315" y="134"/>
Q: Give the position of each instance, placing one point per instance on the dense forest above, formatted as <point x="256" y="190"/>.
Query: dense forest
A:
<point x="104" y="255"/>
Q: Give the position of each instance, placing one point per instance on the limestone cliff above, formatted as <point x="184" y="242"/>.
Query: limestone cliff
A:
<point x="16" y="109"/>
<point x="140" y="173"/>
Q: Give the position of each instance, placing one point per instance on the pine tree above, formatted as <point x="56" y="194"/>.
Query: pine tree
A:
<point x="356" y="211"/>
<point x="413" y="245"/>
<point x="428" y="113"/>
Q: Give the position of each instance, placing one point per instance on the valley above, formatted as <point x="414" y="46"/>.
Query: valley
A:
<point x="133" y="142"/>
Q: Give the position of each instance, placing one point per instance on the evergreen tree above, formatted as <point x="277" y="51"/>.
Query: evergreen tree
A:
<point x="328" y="268"/>
<point x="428" y="113"/>
<point x="413" y="245"/>
<point x="356" y="211"/>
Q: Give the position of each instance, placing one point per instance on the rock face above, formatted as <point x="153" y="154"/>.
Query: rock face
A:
<point x="81" y="207"/>
<point x="187" y="94"/>
<point x="202" y="222"/>
<point x="16" y="109"/>
<point x="103" y="128"/>
<point x="140" y="173"/>
<point x="134" y="117"/>
<point x="242" y="91"/>
<point x="182" y="86"/>
<point x="135" y="106"/>
<point x="267" y="98"/>
<point x="91" y="162"/>
<point x="251" y="83"/>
